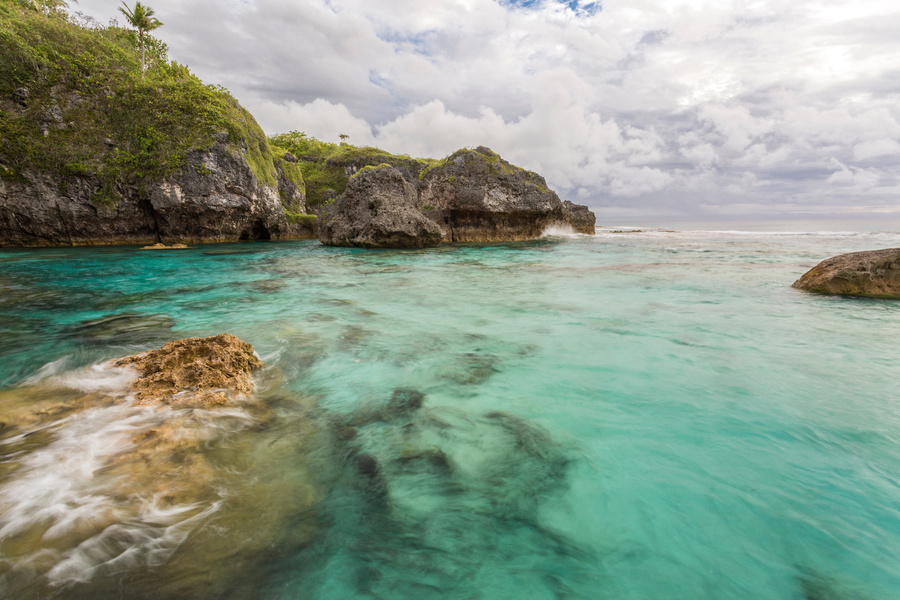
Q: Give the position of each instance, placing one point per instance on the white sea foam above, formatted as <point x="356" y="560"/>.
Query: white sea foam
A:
<point x="559" y="231"/>
<point x="50" y="369"/>
<point x="55" y="484"/>
<point x="100" y="378"/>
<point x="65" y="493"/>
<point x="150" y="540"/>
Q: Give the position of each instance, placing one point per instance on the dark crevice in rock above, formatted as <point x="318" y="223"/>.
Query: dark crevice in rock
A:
<point x="258" y="231"/>
<point x="146" y="207"/>
<point x="65" y="223"/>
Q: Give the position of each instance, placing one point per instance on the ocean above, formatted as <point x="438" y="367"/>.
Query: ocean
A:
<point x="651" y="412"/>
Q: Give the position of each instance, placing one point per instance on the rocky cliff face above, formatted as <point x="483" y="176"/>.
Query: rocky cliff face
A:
<point x="472" y="196"/>
<point x="215" y="197"/>
<point x="479" y="197"/>
<point x="378" y="210"/>
<point x="873" y="274"/>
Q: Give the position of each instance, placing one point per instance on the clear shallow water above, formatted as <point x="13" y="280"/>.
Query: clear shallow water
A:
<point x="631" y="415"/>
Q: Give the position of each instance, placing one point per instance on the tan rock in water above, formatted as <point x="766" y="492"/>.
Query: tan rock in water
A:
<point x="194" y="372"/>
<point x="161" y="246"/>
<point x="874" y="274"/>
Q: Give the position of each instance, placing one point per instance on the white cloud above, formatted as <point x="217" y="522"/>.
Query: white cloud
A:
<point x="873" y="148"/>
<point x="682" y="104"/>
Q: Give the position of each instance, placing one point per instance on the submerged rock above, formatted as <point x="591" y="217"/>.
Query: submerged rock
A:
<point x="164" y="247"/>
<point x="194" y="371"/>
<point x="123" y="328"/>
<point x="873" y="274"/>
<point x="433" y="497"/>
<point x="378" y="210"/>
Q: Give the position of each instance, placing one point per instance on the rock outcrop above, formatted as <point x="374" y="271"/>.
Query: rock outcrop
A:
<point x="479" y="197"/>
<point x="873" y="274"/>
<point x="378" y="210"/>
<point x="472" y="196"/>
<point x="214" y="197"/>
<point x="193" y="372"/>
<point x="579" y="217"/>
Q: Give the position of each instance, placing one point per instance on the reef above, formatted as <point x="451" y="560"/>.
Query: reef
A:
<point x="872" y="274"/>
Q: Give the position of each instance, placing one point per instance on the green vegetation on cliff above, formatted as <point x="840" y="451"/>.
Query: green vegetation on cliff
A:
<point x="73" y="103"/>
<point x="327" y="167"/>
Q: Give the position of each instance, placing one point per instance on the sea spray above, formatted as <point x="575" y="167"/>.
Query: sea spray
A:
<point x="96" y="485"/>
<point x="559" y="231"/>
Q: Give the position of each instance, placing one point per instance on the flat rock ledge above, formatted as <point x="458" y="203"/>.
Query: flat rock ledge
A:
<point x="193" y="372"/>
<point x="872" y="274"/>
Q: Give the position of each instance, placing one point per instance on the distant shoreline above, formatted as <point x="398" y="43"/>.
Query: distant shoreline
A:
<point x="756" y="225"/>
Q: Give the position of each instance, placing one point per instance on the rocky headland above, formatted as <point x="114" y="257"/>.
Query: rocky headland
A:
<point x="96" y="152"/>
<point x="471" y="196"/>
<point x="872" y="274"/>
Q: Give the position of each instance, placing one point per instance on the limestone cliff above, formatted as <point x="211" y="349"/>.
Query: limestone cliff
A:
<point x="471" y="196"/>
<point x="214" y="197"/>
<point x="378" y="210"/>
<point x="479" y="197"/>
<point x="93" y="151"/>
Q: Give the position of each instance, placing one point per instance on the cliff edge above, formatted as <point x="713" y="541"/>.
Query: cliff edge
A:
<point x="93" y="151"/>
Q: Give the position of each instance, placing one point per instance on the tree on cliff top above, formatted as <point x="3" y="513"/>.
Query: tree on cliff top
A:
<point x="142" y="19"/>
<point x="44" y="6"/>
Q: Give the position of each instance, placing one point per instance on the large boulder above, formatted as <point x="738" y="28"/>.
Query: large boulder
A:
<point x="479" y="197"/>
<point x="874" y="274"/>
<point x="378" y="210"/>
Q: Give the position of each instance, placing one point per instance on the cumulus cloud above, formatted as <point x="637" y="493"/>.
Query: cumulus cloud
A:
<point x="678" y="107"/>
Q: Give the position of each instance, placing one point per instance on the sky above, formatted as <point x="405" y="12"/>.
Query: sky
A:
<point x="665" y="109"/>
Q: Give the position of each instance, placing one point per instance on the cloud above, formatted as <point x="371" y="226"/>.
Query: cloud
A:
<point x="687" y="106"/>
<point x="873" y="148"/>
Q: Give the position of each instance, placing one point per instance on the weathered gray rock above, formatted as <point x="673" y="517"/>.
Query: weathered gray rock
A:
<point x="477" y="196"/>
<point x="215" y="197"/>
<point x="579" y="217"/>
<point x="473" y="196"/>
<point x="378" y="210"/>
<point x="874" y="274"/>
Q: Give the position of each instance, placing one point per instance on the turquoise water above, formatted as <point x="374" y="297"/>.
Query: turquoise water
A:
<point x="652" y="414"/>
